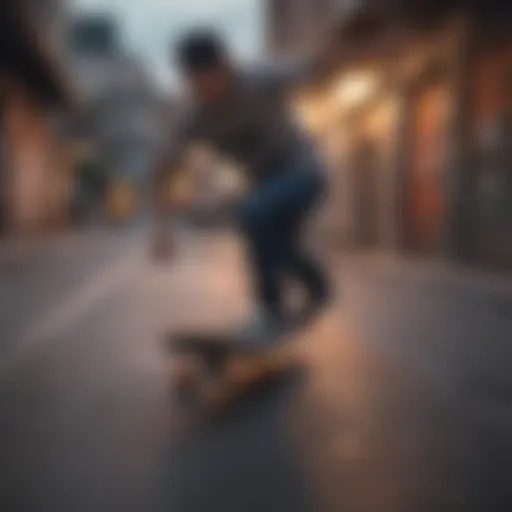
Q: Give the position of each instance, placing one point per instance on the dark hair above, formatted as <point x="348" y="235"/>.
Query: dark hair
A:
<point x="199" y="50"/>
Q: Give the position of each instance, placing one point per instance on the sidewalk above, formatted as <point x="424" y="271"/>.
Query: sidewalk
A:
<point x="15" y="250"/>
<point x="432" y="275"/>
<point x="406" y="393"/>
<point x="19" y="252"/>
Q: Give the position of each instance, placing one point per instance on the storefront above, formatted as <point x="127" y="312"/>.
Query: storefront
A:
<point x="371" y="171"/>
<point x="318" y="111"/>
<point x="492" y="133"/>
<point x="426" y="208"/>
<point x="37" y="174"/>
<point x="34" y="171"/>
<point x="353" y="119"/>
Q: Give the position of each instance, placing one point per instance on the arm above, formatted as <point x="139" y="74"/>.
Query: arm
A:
<point x="167" y="167"/>
<point x="162" y="241"/>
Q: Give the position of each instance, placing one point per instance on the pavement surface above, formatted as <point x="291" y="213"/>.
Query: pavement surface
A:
<point x="407" y="405"/>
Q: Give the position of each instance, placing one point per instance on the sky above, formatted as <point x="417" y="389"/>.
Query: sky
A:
<point x="148" y="26"/>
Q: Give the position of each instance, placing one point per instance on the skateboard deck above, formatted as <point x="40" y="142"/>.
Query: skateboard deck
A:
<point x="213" y="370"/>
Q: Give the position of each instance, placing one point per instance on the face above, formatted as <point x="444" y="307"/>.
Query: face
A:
<point x="211" y="86"/>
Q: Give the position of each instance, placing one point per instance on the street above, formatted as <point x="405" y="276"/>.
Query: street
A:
<point x="407" y="405"/>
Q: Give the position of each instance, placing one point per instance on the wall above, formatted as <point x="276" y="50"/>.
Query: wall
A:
<point x="124" y="109"/>
<point x="369" y="170"/>
<point x="429" y="140"/>
<point x="491" y="121"/>
<point x="37" y="177"/>
<point x="293" y="25"/>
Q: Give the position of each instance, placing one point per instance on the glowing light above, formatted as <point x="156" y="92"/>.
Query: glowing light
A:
<point x="354" y="89"/>
<point x="311" y="112"/>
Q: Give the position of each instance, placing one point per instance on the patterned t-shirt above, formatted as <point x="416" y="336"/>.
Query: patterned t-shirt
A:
<point x="256" y="129"/>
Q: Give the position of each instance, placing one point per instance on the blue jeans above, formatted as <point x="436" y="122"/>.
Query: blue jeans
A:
<point x="271" y="219"/>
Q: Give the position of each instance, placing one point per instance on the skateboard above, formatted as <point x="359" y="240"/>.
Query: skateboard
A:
<point x="211" y="370"/>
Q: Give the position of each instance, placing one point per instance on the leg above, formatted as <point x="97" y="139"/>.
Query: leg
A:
<point x="263" y="247"/>
<point x="271" y="219"/>
<point x="306" y="269"/>
<point x="299" y="264"/>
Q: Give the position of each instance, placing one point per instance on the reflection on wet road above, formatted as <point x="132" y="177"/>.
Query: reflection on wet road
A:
<point x="407" y="405"/>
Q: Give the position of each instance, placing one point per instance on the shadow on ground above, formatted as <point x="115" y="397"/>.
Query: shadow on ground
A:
<point x="243" y="461"/>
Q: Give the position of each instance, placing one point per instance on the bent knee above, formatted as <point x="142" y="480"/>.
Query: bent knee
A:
<point x="253" y="219"/>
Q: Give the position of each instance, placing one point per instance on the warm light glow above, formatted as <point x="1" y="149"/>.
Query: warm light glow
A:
<point x="354" y="89"/>
<point x="311" y="112"/>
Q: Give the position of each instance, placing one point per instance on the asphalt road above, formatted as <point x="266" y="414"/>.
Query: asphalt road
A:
<point x="407" y="405"/>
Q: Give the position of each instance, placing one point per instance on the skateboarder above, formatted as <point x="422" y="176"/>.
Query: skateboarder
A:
<point x="243" y="114"/>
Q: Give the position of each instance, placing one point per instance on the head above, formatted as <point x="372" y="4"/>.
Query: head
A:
<point x="206" y="66"/>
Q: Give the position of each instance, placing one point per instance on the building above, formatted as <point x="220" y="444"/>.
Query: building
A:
<point x="93" y="53"/>
<point x="52" y="18"/>
<point x="127" y="123"/>
<point x="418" y="113"/>
<point x="293" y="25"/>
<point x="34" y="179"/>
<point x="291" y="28"/>
<point x="123" y="108"/>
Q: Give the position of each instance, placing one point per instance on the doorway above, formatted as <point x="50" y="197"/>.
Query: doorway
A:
<point x="426" y="209"/>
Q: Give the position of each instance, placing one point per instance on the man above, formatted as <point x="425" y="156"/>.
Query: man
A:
<point x="244" y="115"/>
